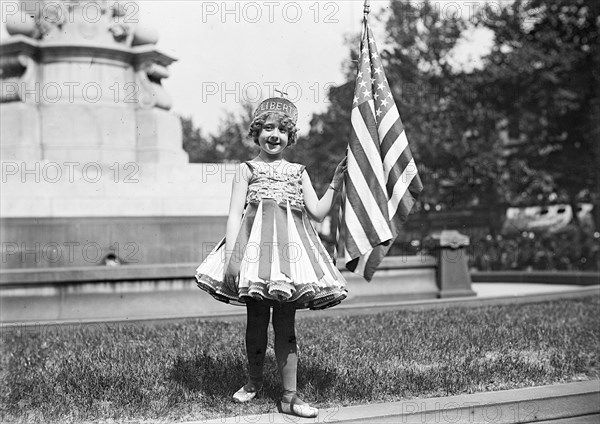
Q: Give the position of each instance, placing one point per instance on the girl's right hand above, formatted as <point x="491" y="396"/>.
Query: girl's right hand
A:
<point x="232" y="270"/>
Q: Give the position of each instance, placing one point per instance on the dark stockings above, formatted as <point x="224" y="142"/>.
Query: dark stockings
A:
<point x="285" y="344"/>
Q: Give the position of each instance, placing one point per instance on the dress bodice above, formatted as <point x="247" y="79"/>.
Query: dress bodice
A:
<point x="283" y="184"/>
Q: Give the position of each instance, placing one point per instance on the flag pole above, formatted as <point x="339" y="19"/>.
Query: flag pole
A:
<point x="366" y="10"/>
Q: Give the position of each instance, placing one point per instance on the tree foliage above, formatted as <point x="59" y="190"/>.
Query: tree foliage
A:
<point x="545" y="70"/>
<point x="521" y="130"/>
<point x="198" y="148"/>
<point x="230" y="144"/>
<point x="232" y="140"/>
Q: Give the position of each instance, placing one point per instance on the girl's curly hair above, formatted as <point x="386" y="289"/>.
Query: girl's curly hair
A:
<point x="284" y="121"/>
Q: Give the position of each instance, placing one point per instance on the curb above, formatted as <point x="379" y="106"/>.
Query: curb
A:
<point x="528" y="405"/>
<point x="581" y="278"/>
<point x="365" y="305"/>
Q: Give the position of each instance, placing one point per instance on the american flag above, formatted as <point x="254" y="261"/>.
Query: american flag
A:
<point x="382" y="182"/>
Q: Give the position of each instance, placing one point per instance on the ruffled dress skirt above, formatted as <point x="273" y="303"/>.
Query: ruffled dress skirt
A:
<point x="281" y="260"/>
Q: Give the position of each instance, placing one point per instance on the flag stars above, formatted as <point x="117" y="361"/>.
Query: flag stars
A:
<point x="371" y="83"/>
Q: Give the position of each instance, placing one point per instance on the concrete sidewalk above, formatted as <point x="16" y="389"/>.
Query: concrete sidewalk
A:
<point x="567" y="403"/>
<point x="520" y="289"/>
<point x="196" y="304"/>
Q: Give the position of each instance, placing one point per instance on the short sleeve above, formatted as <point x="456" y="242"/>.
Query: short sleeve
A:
<point x="251" y="167"/>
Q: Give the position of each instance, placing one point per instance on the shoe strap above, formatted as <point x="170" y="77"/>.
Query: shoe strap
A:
<point x="257" y="388"/>
<point x="296" y="401"/>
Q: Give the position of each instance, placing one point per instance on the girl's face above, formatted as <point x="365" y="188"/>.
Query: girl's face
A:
<point x="273" y="139"/>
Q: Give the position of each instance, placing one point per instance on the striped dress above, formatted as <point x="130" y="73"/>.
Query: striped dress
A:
<point x="280" y="256"/>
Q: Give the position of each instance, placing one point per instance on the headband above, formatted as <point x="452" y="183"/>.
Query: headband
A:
<point x="278" y="104"/>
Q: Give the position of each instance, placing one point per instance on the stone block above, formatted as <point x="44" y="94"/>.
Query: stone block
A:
<point x="86" y="241"/>
<point x="25" y="206"/>
<point x="20" y="132"/>
<point x="88" y="134"/>
<point x="150" y="191"/>
<point x="159" y="137"/>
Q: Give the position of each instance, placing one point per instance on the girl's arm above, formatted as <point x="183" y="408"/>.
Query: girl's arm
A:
<point x="236" y="208"/>
<point x="319" y="208"/>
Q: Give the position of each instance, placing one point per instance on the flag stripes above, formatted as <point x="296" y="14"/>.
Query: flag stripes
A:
<point x="382" y="183"/>
<point x="373" y="190"/>
<point x="397" y="158"/>
<point x="372" y="233"/>
<point x="363" y="197"/>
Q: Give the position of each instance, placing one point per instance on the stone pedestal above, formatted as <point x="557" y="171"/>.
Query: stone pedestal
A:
<point x="154" y="143"/>
<point x="76" y="214"/>
<point x="91" y="155"/>
<point x="66" y="101"/>
<point x="453" y="275"/>
<point x="20" y="132"/>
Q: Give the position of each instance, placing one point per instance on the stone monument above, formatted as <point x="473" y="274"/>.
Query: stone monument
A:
<point x="93" y="170"/>
<point x="81" y="81"/>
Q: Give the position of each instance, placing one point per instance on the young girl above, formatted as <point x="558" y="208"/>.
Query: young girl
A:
<point x="271" y="256"/>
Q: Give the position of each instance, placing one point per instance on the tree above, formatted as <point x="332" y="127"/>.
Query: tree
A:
<point x="522" y="130"/>
<point x="455" y="139"/>
<point x="198" y="148"/>
<point x="545" y="67"/>
<point x="230" y="144"/>
<point x="232" y="140"/>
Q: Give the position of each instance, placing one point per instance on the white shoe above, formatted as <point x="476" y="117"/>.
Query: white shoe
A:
<point x="243" y="396"/>
<point x="303" y="410"/>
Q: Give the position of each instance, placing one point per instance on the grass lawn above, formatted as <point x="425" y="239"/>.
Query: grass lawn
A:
<point x="189" y="370"/>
